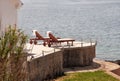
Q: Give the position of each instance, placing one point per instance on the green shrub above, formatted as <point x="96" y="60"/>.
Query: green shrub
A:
<point x="12" y="44"/>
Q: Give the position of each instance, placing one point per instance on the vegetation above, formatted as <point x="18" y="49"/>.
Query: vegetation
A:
<point x="88" y="76"/>
<point x="11" y="51"/>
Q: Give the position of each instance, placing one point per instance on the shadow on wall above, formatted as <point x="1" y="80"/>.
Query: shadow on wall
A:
<point x="93" y="66"/>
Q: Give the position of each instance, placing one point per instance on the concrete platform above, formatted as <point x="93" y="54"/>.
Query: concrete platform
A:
<point x="36" y="51"/>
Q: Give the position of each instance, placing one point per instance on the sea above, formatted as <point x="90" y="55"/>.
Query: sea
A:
<point x="83" y="20"/>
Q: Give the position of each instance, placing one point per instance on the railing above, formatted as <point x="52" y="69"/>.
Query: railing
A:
<point x="43" y="52"/>
<point x="90" y="42"/>
<point x="80" y="43"/>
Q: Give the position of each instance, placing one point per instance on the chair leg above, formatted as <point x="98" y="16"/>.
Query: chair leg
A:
<point x="67" y="43"/>
<point x="49" y="45"/>
<point x="59" y="43"/>
<point x="72" y="43"/>
<point x="31" y="41"/>
<point x="44" y="44"/>
<point x="35" y="42"/>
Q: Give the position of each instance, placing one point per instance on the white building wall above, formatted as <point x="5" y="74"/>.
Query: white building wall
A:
<point x="8" y="14"/>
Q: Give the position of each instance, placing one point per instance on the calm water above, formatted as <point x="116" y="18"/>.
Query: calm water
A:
<point x="79" y="19"/>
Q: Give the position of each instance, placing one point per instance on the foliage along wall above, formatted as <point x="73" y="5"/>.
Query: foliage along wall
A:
<point x="13" y="58"/>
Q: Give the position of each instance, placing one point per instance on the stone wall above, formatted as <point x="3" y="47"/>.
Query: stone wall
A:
<point x="46" y="67"/>
<point x="78" y="56"/>
<point x="51" y="65"/>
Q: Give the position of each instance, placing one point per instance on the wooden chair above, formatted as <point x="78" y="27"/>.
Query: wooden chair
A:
<point x="53" y="39"/>
<point x="39" y="37"/>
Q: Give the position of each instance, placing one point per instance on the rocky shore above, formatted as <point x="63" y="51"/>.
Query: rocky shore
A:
<point x="116" y="61"/>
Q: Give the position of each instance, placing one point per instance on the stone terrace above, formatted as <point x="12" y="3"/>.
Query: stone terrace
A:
<point x="45" y="63"/>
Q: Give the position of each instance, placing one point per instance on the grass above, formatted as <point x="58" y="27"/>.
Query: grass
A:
<point x="87" y="76"/>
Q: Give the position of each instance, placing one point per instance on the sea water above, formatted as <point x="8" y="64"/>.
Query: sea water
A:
<point x="79" y="19"/>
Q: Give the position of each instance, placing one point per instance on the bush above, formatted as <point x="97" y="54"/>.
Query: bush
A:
<point x="12" y="44"/>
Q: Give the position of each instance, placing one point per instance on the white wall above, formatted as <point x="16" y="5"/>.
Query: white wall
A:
<point x="8" y="14"/>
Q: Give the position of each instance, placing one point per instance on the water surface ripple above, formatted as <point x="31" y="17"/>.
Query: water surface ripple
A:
<point x="79" y="19"/>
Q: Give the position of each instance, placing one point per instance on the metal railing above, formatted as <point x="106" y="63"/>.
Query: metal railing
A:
<point x="80" y="43"/>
